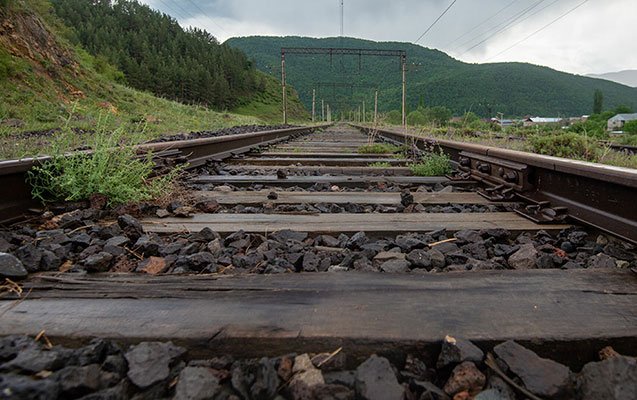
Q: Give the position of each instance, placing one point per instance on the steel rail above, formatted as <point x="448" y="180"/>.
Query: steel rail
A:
<point x="597" y="195"/>
<point x="15" y="191"/>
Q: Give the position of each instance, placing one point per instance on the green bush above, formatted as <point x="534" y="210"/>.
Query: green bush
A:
<point x="566" y="145"/>
<point x="113" y="169"/>
<point x="394" y="117"/>
<point x="432" y="164"/>
<point x="595" y="128"/>
<point x="628" y="140"/>
<point x="416" y="118"/>
<point x="631" y="127"/>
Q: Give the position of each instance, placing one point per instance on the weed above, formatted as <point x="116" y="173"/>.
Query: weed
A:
<point x="112" y="168"/>
<point x="432" y="164"/>
<point x="379" y="148"/>
<point x="380" y="164"/>
<point x="566" y="145"/>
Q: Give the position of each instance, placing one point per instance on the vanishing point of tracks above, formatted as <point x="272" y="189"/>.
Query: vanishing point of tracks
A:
<point x="306" y="245"/>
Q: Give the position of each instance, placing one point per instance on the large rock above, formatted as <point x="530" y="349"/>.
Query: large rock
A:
<point x="196" y="383"/>
<point x="34" y="359"/>
<point x="18" y="387"/>
<point x="11" y="267"/>
<point x="385" y="256"/>
<point x="306" y="378"/>
<point x="149" y="362"/>
<point x="455" y="351"/>
<point x="601" y="260"/>
<point x="395" y="266"/>
<point x="332" y="392"/>
<point x="465" y="377"/>
<point x="543" y="377"/>
<point x="612" y="379"/>
<point x="79" y="381"/>
<point x="419" y="259"/>
<point x="30" y="257"/>
<point x="524" y="258"/>
<point x="130" y="226"/>
<point x="376" y="380"/>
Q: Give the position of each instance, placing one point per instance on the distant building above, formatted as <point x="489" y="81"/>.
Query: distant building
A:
<point x="503" y="122"/>
<point x="532" y="121"/>
<point x="617" y="122"/>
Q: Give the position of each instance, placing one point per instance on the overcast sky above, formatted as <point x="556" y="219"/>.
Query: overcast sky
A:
<point x="597" y="37"/>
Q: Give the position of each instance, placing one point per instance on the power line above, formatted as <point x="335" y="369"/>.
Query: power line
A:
<point x="541" y="29"/>
<point x="436" y="21"/>
<point x="206" y="15"/>
<point x="482" y="23"/>
<point x="174" y="12"/>
<point x="507" y="26"/>
<point x="504" y="24"/>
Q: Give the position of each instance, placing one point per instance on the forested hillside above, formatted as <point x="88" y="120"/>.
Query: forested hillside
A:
<point x="157" y="55"/>
<point x="434" y="79"/>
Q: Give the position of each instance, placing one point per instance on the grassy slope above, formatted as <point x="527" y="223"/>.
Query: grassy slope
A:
<point x="435" y="78"/>
<point x="267" y="106"/>
<point x="46" y="83"/>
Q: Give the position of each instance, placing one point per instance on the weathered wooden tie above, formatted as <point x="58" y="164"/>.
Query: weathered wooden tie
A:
<point x="345" y="222"/>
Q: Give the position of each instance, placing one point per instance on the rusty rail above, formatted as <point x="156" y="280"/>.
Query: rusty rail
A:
<point x="598" y="195"/>
<point x="15" y="192"/>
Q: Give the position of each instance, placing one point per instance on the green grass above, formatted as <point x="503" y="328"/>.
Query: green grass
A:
<point x="379" y="148"/>
<point x="267" y="106"/>
<point x="40" y="92"/>
<point x="380" y="164"/>
<point x="432" y="164"/>
<point x="113" y="169"/>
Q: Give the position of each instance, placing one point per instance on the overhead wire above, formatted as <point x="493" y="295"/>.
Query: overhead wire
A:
<point x="502" y="25"/>
<point x="540" y="30"/>
<point x="206" y="15"/>
<point x="507" y="26"/>
<point x="173" y="11"/>
<point x="482" y="23"/>
<point x="436" y="21"/>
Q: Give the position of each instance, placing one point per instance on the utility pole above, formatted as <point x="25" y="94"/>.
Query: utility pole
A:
<point x="322" y="110"/>
<point x="329" y="115"/>
<point x="342" y="18"/>
<point x="404" y="66"/>
<point x="376" y="107"/>
<point x="313" y="104"/>
<point x="285" y="95"/>
<point x="364" y="111"/>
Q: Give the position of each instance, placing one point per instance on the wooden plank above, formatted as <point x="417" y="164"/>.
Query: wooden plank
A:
<point x="327" y="308"/>
<point x="387" y="198"/>
<point x="327" y="170"/>
<point x="342" y="180"/>
<point x="316" y="154"/>
<point x="362" y="161"/>
<point x="345" y="222"/>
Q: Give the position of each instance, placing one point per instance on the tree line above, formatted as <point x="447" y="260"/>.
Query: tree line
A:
<point x="157" y="55"/>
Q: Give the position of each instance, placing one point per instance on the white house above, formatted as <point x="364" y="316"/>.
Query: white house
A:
<point x="532" y="121"/>
<point x="617" y="122"/>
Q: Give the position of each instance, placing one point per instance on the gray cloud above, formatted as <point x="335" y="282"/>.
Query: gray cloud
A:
<point x="597" y="37"/>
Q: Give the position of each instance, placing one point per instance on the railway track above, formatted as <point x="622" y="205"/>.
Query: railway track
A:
<point x="290" y="241"/>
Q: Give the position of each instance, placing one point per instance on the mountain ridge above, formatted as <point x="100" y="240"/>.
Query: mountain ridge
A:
<point x="434" y="78"/>
<point x="626" y="77"/>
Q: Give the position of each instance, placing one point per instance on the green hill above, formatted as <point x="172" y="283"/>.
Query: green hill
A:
<point x="47" y="81"/>
<point x="434" y="79"/>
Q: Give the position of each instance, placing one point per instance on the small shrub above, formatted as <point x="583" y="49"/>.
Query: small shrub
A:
<point x="379" y="148"/>
<point x="113" y="169"/>
<point x="566" y="145"/>
<point x="432" y="164"/>
<point x="630" y="127"/>
<point x="628" y="140"/>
